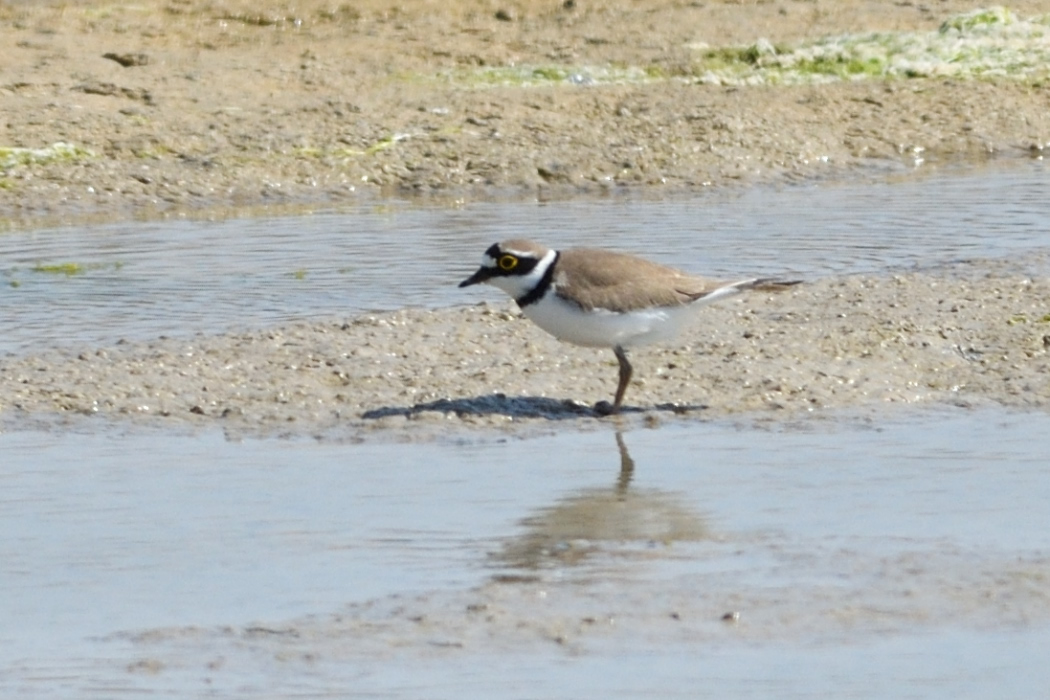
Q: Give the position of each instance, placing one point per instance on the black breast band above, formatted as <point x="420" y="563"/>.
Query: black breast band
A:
<point x="537" y="292"/>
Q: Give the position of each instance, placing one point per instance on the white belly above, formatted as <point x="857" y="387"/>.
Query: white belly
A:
<point x="601" y="328"/>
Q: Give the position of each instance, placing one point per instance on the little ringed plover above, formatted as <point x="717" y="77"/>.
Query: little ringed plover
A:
<point x="600" y="298"/>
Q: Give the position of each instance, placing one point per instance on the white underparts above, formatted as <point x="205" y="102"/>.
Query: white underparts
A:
<point x="603" y="328"/>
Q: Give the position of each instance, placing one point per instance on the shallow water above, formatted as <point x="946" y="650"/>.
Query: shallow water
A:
<point x="906" y="558"/>
<point x="901" y="558"/>
<point x="140" y="280"/>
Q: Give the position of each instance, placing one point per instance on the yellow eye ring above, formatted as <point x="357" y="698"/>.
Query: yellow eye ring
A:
<point x="507" y="263"/>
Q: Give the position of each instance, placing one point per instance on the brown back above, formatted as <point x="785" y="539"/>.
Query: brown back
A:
<point x="619" y="282"/>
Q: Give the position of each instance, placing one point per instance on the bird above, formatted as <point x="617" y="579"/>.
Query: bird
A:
<point x="596" y="297"/>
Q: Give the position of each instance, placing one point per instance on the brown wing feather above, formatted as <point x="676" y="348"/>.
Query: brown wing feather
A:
<point x="619" y="282"/>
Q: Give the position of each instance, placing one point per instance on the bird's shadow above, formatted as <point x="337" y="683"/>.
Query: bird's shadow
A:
<point x="522" y="407"/>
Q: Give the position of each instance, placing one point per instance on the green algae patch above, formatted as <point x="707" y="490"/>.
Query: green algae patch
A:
<point x="538" y="76"/>
<point x="68" y="269"/>
<point x="60" y="152"/>
<point x="346" y="152"/>
<point x="985" y="43"/>
<point x="386" y="143"/>
<point x="1023" y="318"/>
<point x="977" y="20"/>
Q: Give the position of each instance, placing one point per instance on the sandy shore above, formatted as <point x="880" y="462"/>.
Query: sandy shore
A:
<point x="174" y="106"/>
<point x="186" y="106"/>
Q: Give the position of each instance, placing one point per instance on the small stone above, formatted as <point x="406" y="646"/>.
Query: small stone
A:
<point x="128" y="59"/>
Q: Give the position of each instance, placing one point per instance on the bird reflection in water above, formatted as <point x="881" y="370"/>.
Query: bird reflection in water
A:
<point x="623" y="521"/>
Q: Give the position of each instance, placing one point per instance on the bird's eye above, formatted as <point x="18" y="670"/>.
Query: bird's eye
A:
<point x="507" y="263"/>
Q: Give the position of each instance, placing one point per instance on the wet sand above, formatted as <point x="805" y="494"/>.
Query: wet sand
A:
<point x="963" y="335"/>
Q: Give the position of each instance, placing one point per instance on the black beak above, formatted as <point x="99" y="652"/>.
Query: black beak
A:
<point x="482" y="275"/>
